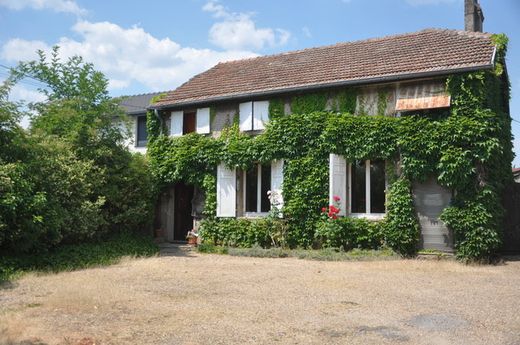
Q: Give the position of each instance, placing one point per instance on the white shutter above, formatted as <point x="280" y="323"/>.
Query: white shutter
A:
<point x="246" y="116"/>
<point x="203" y="120"/>
<point x="226" y="191"/>
<point x="338" y="181"/>
<point x="176" y="125"/>
<point x="260" y="114"/>
<point x="277" y="182"/>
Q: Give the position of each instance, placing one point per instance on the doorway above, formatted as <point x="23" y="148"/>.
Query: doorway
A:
<point x="183" y="219"/>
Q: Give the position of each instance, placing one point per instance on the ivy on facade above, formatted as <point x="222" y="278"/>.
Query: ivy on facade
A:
<point x="469" y="150"/>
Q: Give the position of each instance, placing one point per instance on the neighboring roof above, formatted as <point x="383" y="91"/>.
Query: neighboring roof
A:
<point x="137" y="104"/>
<point x="516" y="171"/>
<point x="418" y="54"/>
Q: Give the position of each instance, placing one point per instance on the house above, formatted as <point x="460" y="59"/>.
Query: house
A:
<point x="516" y="174"/>
<point x="391" y="76"/>
<point x="135" y="107"/>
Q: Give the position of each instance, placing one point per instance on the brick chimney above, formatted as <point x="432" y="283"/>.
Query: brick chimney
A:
<point x="473" y="16"/>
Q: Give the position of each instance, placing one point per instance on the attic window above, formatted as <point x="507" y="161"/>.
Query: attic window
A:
<point x="423" y="96"/>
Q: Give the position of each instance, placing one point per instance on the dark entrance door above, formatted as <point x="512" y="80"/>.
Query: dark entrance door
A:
<point x="182" y="221"/>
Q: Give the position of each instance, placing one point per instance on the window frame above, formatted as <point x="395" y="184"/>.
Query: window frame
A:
<point x="137" y="142"/>
<point x="368" y="214"/>
<point x="258" y="213"/>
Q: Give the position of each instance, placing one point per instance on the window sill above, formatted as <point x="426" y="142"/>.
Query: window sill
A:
<point x="255" y="215"/>
<point x="369" y="216"/>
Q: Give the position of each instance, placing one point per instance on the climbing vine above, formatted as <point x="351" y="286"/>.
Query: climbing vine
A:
<point x="469" y="150"/>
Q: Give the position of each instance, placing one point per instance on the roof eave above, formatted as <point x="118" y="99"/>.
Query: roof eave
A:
<point x="312" y="87"/>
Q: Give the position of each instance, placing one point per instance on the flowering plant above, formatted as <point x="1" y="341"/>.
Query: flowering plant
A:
<point x="332" y="211"/>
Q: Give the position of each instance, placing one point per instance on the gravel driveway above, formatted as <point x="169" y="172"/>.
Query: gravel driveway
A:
<point x="189" y="298"/>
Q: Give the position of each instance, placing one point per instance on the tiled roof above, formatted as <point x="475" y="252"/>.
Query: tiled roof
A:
<point x="425" y="52"/>
<point x="137" y="104"/>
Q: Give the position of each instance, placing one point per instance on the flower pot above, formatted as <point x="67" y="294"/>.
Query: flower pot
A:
<point x="192" y="241"/>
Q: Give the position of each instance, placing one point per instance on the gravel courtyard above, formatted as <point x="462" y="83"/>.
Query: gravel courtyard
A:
<point x="190" y="298"/>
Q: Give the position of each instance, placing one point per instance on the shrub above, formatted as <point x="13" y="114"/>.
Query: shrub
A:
<point x="78" y="256"/>
<point x="242" y="232"/>
<point x="349" y="233"/>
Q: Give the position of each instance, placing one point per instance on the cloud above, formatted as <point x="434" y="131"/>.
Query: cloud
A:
<point x="238" y="31"/>
<point x="127" y="55"/>
<point x="430" y="2"/>
<point x="66" y="6"/>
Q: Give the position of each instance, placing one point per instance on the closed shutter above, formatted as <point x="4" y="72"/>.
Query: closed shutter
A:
<point x="260" y="114"/>
<point x="338" y="181"/>
<point x="203" y="120"/>
<point x="226" y="191"/>
<point x="246" y="116"/>
<point x="177" y="118"/>
<point x="277" y="183"/>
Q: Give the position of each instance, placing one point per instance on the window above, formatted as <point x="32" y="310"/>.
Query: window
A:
<point x="367" y="186"/>
<point x="142" y="134"/>
<point x="253" y="115"/>
<point x="257" y="182"/>
<point x="188" y="123"/>
<point x="184" y="122"/>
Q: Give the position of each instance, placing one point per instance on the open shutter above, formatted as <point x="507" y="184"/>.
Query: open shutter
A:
<point x="203" y="120"/>
<point x="246" y="116"/>
<point x="338" y="181"/>
<point x="276" y="183"/>
<point x="177" y="118"/>
<point x="261" y="114"/>
<point x="226" y="191"/>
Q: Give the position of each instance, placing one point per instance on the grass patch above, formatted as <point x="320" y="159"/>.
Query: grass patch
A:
<point x="328" y="254"/>
<point x="78" y="256"/>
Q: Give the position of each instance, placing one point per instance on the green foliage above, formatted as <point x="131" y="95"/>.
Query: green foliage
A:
<point x="70" y="178"/>
<point x="276" y="108"/>
<point x="264" y="232"/>
<point x="346" y="101"/>
<point x="78" y="256"/>
<point x="401" y="227"/>
<point x="308" y="103"/>
<point x="348" y="233"/>
<point x="382" y="102"/>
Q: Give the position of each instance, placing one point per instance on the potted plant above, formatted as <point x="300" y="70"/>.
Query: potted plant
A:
<point x="192" y="237"/>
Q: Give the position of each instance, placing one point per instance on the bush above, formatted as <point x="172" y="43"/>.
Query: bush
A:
<point x="78" y="256"/>
<point x="349" y="233"/>
<point x="242" y="232"/>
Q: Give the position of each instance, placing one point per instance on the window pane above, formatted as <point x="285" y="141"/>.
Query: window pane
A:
<point x="142" y="134"/>
<point x="251" y="189"/>
<point x="377" y="186"/>
<point x="358" y="186"/>
<point x="266" y="186"/>
<point x="188" y="123"/>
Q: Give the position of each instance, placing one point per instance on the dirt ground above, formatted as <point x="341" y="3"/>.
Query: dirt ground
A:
<point x="189" y="298"/>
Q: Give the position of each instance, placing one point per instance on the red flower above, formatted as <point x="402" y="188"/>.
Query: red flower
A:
<point x="323" y="209"/>
<point x="336" y="198"/>
<point x="333" y="209"/>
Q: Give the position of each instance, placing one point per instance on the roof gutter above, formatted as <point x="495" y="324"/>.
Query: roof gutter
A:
<point x="313" y="87"/>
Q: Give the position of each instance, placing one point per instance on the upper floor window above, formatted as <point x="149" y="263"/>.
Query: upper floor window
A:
<point x="184" y="122"/>
<point x="253" y="115"/>
<point x="142" y="133"/>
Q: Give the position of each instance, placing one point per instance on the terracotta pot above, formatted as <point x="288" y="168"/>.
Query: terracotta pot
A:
<point x="192" y="241"/>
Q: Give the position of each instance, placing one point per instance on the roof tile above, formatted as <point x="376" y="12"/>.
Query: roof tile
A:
<point x="423" y="51"/>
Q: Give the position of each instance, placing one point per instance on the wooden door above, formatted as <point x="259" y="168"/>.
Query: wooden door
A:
<point x="183" y="220"/>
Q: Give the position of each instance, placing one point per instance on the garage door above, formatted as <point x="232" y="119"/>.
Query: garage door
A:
<point x="430" y="200"/>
